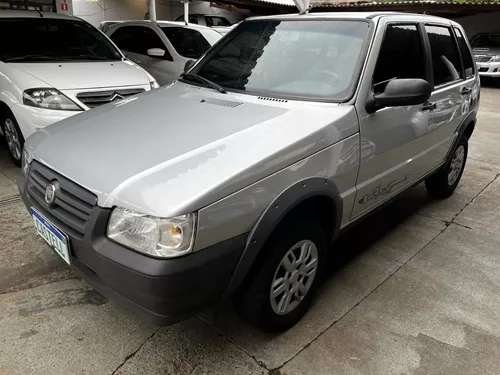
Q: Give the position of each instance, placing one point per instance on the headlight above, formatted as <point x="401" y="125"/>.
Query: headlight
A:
<point x="154" y="84"/>
<point x="155" y="236"/>
<point x="49" y="98"/>
<point x="495" y="59"/>
<point x="25" y="161"/>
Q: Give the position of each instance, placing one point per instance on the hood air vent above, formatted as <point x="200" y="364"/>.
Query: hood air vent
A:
<point x="213" y="101"/>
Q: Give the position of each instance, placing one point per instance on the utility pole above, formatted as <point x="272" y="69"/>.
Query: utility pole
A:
<point x="152" y="10"/>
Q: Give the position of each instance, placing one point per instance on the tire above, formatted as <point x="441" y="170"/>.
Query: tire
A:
<point x="253" y="299"/>
<point x="442" y="184"/>
<point x="13" y="136"/>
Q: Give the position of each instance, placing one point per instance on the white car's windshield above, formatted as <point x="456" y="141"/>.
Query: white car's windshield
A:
<point x="486" y="41"/>
<point x="46" y="39"/>
<point x="316" y="59"/>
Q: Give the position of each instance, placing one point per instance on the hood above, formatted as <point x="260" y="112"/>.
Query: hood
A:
<point x="84" y="75"/>
<point x="177" y="149"/>
<point x="486" y="51"/>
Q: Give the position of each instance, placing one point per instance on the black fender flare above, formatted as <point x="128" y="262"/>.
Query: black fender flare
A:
<point x="471" y="118"/>
<point x="273" y="215"/>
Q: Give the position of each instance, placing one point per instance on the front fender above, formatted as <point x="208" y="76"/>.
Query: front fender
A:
<point x="276" y="212"/>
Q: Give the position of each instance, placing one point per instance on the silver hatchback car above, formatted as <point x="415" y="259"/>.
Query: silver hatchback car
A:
<point x="235" y="179"/>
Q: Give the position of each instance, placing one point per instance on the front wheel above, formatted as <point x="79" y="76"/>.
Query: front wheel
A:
<point x="280" y="289"/>
<point x="443" y="183"/>
<point x="13" y="136"/>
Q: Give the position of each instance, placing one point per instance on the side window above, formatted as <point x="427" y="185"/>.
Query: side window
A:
<point x="187" y="42"/>
<point x="466" y="55"/>
<point x="193" y="20"/>
<point x="124" y="39"/>
<point x="401" y="56"/>
<point x="445" y="58"/>
<point x="137" y="39"/>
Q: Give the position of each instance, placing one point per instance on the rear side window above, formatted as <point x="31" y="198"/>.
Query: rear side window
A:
<point x="401" y="56"/>
<point x="137" y="39"/>
<point x="466" y="55"/>
<point x="445" y="58"/>
<point x="187" y="42"/>
<point x="216" y="21"/>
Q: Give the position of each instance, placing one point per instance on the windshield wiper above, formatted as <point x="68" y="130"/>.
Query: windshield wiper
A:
<point x="31" y="57"/>
<point x="196" y="77"/>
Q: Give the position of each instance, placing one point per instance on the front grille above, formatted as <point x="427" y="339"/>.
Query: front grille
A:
<point x="482" y="58"/>
<point x="97" y="98"/>
<point x="73" y="205"/>
<point x="482" y="70"/>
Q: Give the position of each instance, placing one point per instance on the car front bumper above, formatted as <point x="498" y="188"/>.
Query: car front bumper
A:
<point x="489" y="69"/>
<point x="162" y="291"/>
<point x="31" y="119"/>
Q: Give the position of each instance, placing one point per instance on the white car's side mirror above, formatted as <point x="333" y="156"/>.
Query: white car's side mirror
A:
<point x="156" y="52"/>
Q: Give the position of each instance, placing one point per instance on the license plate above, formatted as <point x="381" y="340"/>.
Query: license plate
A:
<point x="55" y="238"/>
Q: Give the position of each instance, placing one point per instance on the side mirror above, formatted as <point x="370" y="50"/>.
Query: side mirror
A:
<point x="399" y="93"/>
<point x="189" y="64"/>
<point x="156" y="52"/>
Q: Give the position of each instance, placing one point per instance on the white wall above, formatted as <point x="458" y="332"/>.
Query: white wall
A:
<point x="96" y="11"/>
<point x="480" y="23"/>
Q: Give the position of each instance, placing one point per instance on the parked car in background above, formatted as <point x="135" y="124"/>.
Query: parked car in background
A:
<point x="486" y="50"/>
<point x="53" y="67"/>
<point x="236" y="179"/>
<point x="219" y="23"/>
<point x="105" y="25"/>
<point x="162" y="47"/>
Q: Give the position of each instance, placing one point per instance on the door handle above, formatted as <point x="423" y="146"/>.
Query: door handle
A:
<point x="429" y="106"/>
<point x="465" y="91"/>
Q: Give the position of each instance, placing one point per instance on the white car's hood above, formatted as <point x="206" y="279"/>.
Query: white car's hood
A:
<point x="84" y="75"/>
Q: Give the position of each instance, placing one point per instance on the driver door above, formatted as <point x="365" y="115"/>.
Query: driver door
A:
<point x="392" y="138"/>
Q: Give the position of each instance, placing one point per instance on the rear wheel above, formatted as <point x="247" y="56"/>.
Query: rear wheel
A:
<point x="443" y="183"/>
<point x="280" y="289"/>
<point x="13" y="136"/>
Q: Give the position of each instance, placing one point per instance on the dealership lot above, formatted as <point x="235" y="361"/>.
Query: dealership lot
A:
<point x="413" y="289"/>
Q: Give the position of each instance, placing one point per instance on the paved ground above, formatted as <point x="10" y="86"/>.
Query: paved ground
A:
<point x="413" y="290"/>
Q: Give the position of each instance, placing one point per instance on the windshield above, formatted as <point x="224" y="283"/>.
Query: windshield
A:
<point x="486" y="41"/>
<point x="314" y="59"/>
<point x="45" y="39"/>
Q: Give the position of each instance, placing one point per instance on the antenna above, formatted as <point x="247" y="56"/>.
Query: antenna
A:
<point x="40" y="13"/>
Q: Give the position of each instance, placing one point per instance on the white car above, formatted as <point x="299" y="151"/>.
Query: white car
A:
<point x="55" y="66"/>
<point x="162" y="47"/>
<point x="218" y="23"/>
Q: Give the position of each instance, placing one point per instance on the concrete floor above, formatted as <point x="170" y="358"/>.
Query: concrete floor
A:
<point x="413" y="290"/>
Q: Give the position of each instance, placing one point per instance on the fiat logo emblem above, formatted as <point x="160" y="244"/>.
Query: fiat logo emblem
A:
<point x="50" y="193"/>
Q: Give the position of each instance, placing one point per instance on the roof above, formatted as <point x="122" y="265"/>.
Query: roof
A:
<point x="384" y="3"/>
<point x="391" y="4"/>
<point x="165" y="23"/>
<point x="33" y="14"/>
<point x="345" y="15"/>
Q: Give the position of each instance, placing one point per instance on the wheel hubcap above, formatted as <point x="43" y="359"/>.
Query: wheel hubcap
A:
<point x="457" y="163"/>
<point x="12" y="138"/>
<point x="294" y="277"/>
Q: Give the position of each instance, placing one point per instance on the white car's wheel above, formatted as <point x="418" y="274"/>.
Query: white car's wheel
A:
<point x="13" y="136"/>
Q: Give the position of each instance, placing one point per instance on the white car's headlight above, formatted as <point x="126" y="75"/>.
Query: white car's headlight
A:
<point x="155" y="236"/>
<point x="25" y="161"/>
<point x="50" y="99"/>
<point x="495" y="59"/>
